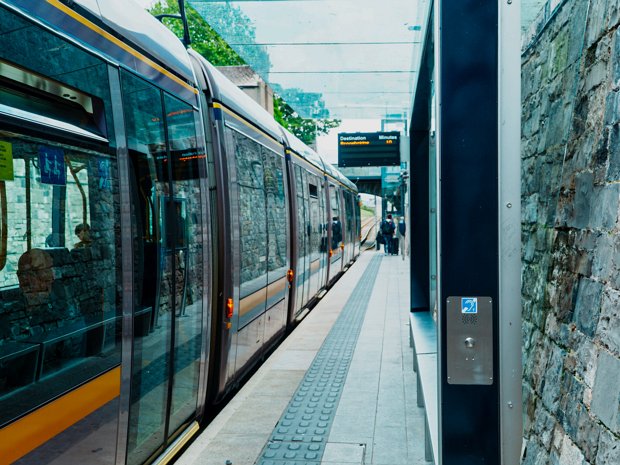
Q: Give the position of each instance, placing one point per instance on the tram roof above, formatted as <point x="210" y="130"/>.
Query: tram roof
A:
<point x="238" y="101"/>
<point x="303" y="150"/>
<point x="142" y="29"/>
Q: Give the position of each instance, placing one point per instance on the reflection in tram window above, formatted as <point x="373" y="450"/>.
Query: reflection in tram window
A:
<point x="168" y="264"/>
<point x="336" y="222"/>
<point x="304" y="232"/>
<point x="152" y="322"/>
<point x="58" y="316"/>
<point x="59" y="305"/>
<point x="276" y="213"/>
<point x="185" y="220"/>
<point x="317" y="242"/>
<point x="252" y="214"/>
<point x="49" y="62"/>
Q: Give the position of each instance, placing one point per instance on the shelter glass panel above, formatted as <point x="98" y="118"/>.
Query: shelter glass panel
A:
<point x="327" y="58"/>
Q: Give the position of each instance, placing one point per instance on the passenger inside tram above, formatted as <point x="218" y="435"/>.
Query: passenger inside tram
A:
<point x="336" y="233"/>
<point x="82" y="231"/>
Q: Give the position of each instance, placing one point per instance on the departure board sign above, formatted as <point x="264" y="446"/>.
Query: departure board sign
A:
<point x="369" y="148"/>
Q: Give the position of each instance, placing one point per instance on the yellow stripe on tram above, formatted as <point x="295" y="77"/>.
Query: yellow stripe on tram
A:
<point x="38" y="427"/>
<point x="92" y="26"/>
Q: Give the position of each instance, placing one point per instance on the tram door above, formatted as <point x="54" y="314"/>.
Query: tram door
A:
<point x="336" y="237"/>
<point x="308" y="235"/>
<point x="317" y="242"/>
<point x="302" y="238"/>
<point x="168" y="264"/>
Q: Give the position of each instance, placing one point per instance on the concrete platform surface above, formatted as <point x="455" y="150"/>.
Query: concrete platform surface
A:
<point x="374" y="419"/>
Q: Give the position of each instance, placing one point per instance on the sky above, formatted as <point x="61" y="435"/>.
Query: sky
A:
<point x="327" y="144"/>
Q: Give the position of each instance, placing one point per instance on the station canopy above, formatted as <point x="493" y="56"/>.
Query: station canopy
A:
<point x="328" y="58"/>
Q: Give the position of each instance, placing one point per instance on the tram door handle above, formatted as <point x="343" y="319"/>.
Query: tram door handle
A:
<point x="469" y="343"/>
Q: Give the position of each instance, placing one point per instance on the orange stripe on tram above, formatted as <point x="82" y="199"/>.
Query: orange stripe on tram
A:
<point x="26" y="434"/>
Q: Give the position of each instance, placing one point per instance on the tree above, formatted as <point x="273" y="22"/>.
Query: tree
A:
<point x="205" y="40"/>
<point x="231" y="23"/>
<point x="306" y="129"/>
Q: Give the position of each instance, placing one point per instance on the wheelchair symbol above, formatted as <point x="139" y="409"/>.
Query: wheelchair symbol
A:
<point x="469" y="305"/>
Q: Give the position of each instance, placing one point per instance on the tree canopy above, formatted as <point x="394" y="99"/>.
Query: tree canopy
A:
<point x="204" y="39"/>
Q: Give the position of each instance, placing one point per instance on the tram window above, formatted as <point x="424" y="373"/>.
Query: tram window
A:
<point x="58" y="291"/>
<point x="317" y="240"/>
<point x="185" y="153"/>
<point x="336" y="218"/>
<point x="276" y="211"/>
<point x="187" y="223"/>
<point x="313" y="190"/>
<point x="304" y="229"/>
<point x="252" y="214"/>
<point x="48" y="62"/>
<point x="152" y="273"/>
<point x="298" y="180"/>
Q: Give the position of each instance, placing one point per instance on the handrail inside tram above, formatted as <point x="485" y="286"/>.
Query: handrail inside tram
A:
<point x="74" y="173"/>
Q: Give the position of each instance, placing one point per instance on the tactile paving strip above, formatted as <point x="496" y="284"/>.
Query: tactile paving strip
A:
<point x="301" y="434"/>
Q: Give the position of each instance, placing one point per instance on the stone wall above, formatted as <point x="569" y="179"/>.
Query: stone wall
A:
<point x="571" y="246"/>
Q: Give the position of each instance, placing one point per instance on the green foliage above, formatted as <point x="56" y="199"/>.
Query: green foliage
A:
<point x="232" y="24"/>
<point x="205" y="40"/>
<point x="306" y="129"/>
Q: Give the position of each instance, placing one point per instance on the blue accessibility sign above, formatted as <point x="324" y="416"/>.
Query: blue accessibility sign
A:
<point x="469" y="305"/>
<point x="52" y="166"/>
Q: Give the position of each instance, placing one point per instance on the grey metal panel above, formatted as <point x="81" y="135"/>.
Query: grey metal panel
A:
<point x="127" y="266"/>
<point x="511" y="424"/>
<point x="330" y="170"/>
<point x="469" y="345"/>
<point x="275" y="319"/>
<point x="249" y="342"/>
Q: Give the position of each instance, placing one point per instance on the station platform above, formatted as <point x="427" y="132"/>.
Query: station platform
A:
<point x="339" y="390"/>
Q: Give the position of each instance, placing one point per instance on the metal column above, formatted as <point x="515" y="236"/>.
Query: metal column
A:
<point x="477" y="92"/>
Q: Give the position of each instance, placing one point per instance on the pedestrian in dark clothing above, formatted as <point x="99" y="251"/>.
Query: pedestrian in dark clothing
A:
<point x="387" y="231"/>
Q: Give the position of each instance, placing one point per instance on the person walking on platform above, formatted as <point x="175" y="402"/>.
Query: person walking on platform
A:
<point x="387" y="231"/>
<point x="402" y="229"/>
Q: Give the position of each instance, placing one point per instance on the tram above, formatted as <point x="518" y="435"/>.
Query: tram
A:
<point x="159" y="233"/>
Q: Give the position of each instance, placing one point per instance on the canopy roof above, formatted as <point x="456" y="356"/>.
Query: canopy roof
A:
<point x="328" y="58"/>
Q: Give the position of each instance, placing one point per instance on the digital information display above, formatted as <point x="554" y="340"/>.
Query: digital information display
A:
<point x="369" y="149"/>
